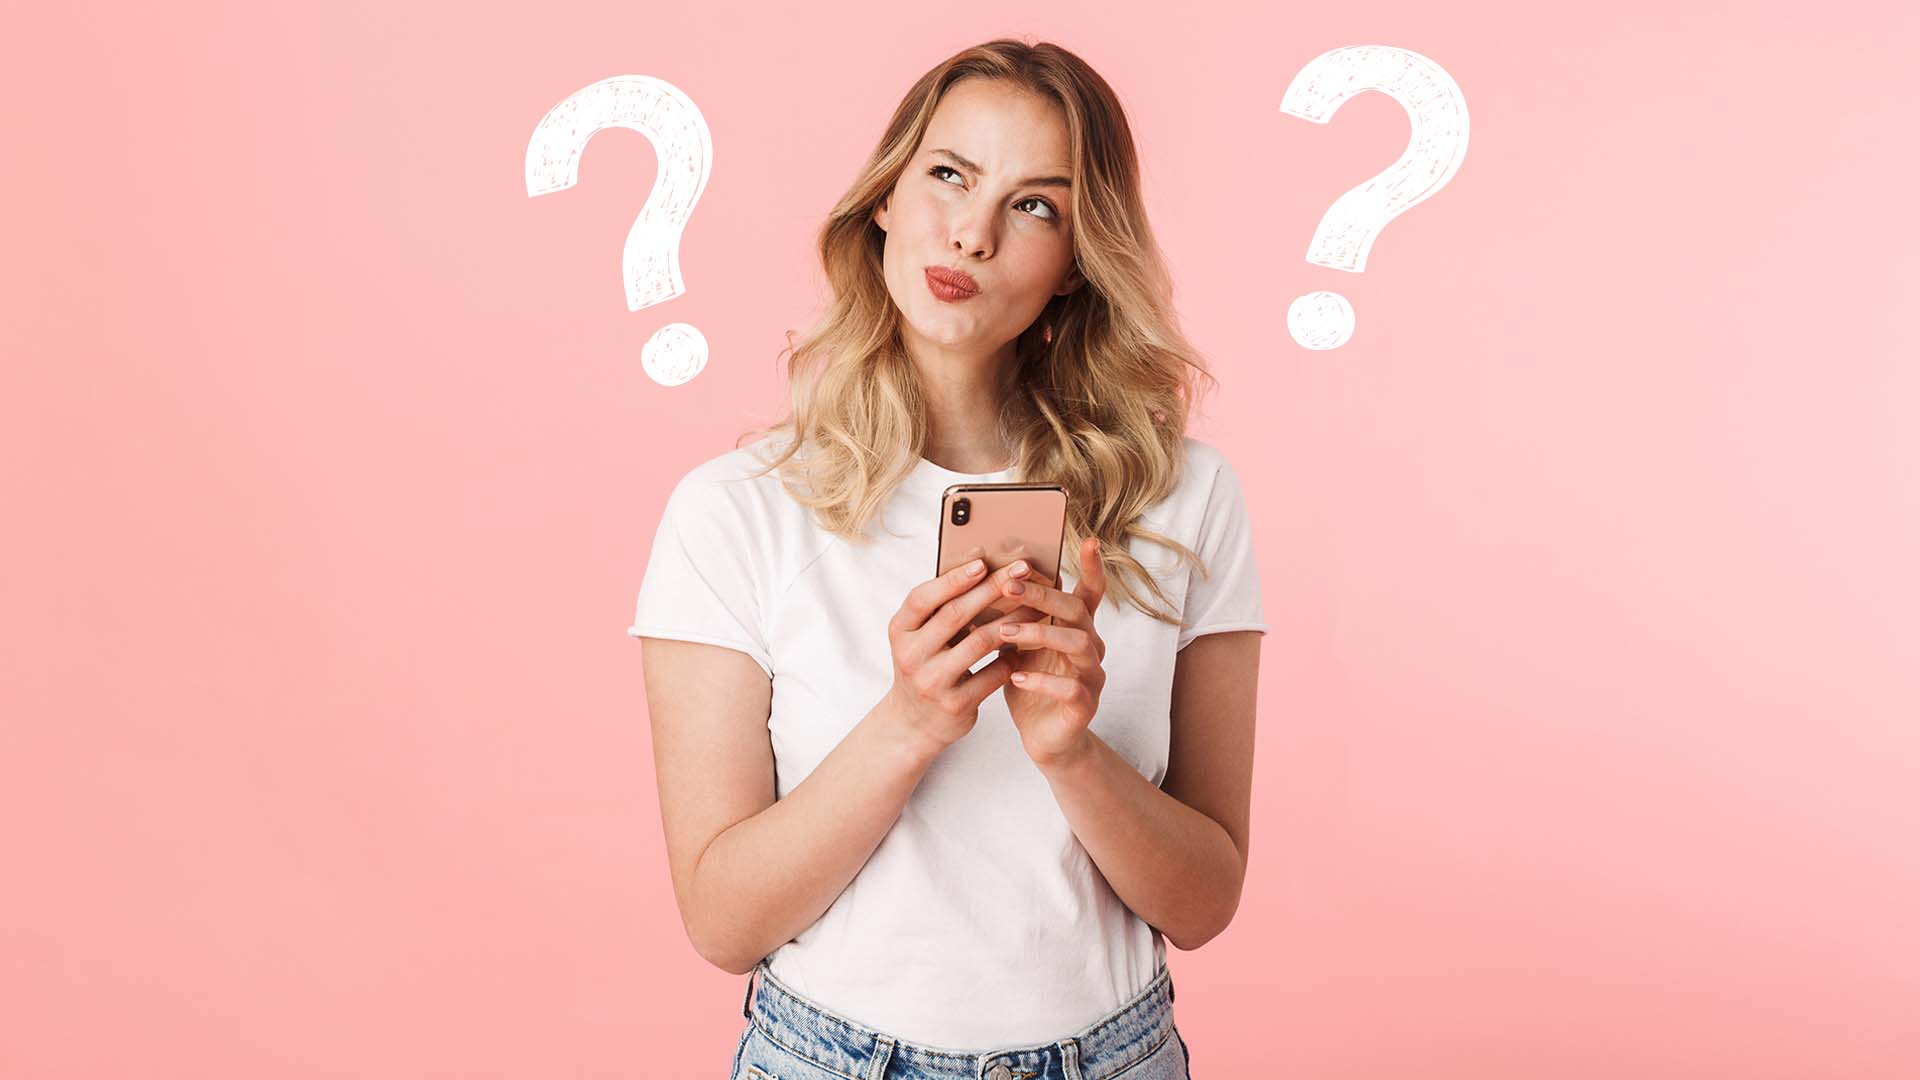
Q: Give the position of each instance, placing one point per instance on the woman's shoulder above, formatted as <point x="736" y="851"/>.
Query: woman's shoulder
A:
<point x="737" y="467"/>
<point x="1202" y="456"/>
<point x="1201" y="471"/>
<point x="738" y="483"/>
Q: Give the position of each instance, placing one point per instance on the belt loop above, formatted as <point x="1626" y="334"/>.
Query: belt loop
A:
<point x="882" y="1053"/>
<point x="744" y="1011"/>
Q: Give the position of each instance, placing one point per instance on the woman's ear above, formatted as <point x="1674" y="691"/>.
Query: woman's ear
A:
<point x="1073" y="281"/>
<point x="880" y="213"/>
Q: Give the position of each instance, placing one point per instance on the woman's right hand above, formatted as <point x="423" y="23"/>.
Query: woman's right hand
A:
<point x="933" y="697"/>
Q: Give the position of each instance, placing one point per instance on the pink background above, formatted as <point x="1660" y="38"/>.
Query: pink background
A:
<point x="1588" y="739"/>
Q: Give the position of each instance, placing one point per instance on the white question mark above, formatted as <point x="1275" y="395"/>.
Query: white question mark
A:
<point x="650" y="263"/>
<point x="1438" y="111"/>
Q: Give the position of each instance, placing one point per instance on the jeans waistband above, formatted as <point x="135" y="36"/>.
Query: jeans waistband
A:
<point x="1107" y="1046"/>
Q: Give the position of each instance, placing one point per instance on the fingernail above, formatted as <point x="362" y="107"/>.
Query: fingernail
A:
<point x="975" y="567"/>
<point x="1008" y="629"/>
<point x="1020" y="569"/>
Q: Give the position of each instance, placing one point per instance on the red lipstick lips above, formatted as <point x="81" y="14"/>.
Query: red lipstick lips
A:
<point x="951" y="284"/>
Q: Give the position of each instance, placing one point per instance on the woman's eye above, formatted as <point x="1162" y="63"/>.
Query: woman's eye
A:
<point x="1051" y="212"/>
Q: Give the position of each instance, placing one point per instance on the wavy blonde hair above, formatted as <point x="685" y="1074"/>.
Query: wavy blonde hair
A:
<point x="1098" y="395"/>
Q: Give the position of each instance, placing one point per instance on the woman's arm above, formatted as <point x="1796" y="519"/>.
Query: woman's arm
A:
<point x="749" y="871"/>
<point x="1176" y="854"/>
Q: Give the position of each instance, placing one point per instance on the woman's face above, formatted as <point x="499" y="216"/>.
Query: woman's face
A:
<point x="977" y="198"/>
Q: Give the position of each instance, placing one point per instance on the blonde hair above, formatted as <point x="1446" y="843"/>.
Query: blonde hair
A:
<point x="1099" y="392"/>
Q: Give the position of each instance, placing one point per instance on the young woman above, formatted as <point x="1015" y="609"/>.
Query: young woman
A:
<point x="935" y="871"/>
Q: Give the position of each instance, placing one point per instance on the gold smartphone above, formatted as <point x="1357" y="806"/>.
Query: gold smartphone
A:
<point x="1002" y="522"/>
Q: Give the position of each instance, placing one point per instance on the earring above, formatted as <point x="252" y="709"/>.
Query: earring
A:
<point x="1046" y="334"/>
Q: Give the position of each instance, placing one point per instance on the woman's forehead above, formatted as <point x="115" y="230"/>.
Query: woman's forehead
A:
<point x="994" y="138"/>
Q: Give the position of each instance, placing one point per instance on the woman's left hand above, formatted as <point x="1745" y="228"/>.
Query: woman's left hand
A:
<point x="1057" y="680"/>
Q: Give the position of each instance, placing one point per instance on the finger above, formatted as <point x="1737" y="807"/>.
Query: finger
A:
<point x="1033" y="574"/>
<point x="999" y="604"/>
<point x="1005" y="602"/>
<point x="1058" y="687"/>
<point x="984" y="601"/>
<point x="975" y="687"/>
<point x="1075" y="644"/>
<point x="948" y="627"/>
<point x="925" y="601"/>
<point x="1092" y="586"/>
<point x="1051" y="601"/>
<point x="992" y="616"/>
<point x="952" y="663"/>
<point x="925" y="598"/>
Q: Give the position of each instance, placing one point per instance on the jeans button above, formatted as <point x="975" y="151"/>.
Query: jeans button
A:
<point x="999" y="1072"/>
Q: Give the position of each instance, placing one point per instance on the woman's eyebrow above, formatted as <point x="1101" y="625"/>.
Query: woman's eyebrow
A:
<point x="1031" y="181"/>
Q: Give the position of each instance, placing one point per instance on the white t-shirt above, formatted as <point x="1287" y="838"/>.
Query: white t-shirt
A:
<point x="979" y="921"/>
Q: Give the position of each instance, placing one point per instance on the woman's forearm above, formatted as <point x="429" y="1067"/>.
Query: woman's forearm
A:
<point x="1172" y="865"/>
<point x="767" y="878"/>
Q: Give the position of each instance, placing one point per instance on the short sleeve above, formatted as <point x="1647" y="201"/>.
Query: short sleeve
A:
<point x="1229" y="597"/>
<point x="702" y="578"/>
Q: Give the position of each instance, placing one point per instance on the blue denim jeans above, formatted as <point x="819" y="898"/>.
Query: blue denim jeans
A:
<point x="789" y="1037"/>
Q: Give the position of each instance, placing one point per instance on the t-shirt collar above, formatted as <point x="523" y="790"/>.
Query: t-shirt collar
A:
<point x="928" y="478"/>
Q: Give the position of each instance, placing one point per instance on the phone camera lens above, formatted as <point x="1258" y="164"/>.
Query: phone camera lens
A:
<point x="960" y="511"/>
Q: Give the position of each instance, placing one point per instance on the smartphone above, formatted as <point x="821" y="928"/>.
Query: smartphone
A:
<point x="1002" y="522"/>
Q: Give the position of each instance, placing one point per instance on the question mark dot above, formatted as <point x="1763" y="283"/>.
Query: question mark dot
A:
<point x="674" y="354"/>
<point x="1320" y="320"/>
